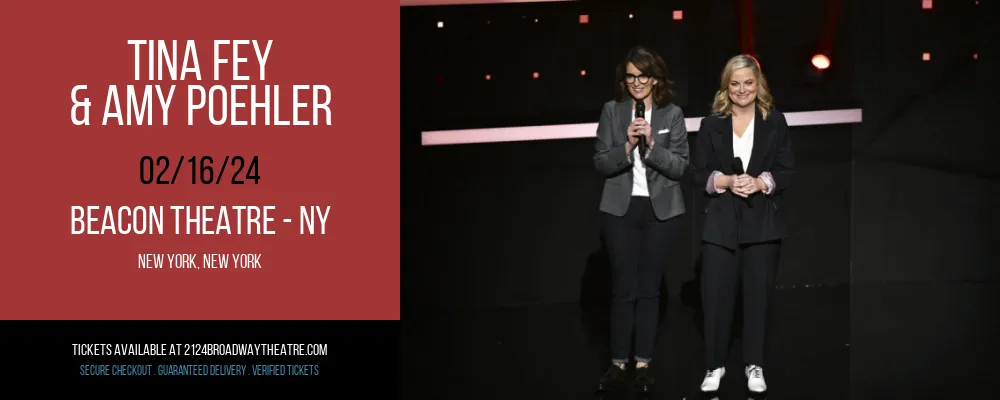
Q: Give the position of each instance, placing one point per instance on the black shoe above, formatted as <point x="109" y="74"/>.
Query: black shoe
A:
<point x="612" y="379"/>
<point x="644" y="379"/>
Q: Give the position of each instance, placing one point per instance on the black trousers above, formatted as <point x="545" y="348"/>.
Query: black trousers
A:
<point x="638" y="247"/>
<point x="723" y="271"/>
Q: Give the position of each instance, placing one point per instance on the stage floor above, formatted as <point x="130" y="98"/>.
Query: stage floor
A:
<point x="905" y="335"/>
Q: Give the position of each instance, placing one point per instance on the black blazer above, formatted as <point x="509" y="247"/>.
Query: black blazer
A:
<point x="729" y="220"/>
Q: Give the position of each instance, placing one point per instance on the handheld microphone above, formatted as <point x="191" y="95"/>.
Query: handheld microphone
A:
<point x="738" y="168"/>
<point x="640" y="112"/>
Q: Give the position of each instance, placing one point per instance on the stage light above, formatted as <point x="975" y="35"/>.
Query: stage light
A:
<point x="928" y="4"/>
<point x="584" y="18"/>
<point x="488" y="77"/>
<point x="678" y="15"/>
<point x="583" y="72"/>
<point x="536" y="20"/>
<point x="630" y="16"/>
<point x="975" y="56"/>
<point x="821" y="61"/>
<point x="440" y="24"/>
<point x="586" y="129"/>
<point x="534" y="75"/>
<point x="927" y="56"/>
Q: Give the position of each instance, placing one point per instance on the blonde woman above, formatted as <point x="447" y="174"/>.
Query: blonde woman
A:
<point x="742" y="162"/>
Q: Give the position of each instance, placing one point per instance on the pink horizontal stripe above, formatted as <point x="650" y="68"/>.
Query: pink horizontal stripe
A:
<point x="589" y="130"/>
<point x="512" y="134"/>
<point x="824" y="117"/>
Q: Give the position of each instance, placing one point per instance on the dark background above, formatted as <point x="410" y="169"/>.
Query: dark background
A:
<point x="904" y="198"/>
<point x="515" y="223"/>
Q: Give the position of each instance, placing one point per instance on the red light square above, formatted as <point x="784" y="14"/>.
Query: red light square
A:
<point x="927" y="56"/>
<point x="678" y="15"/>
<point x="584" y="18"/>
<point x="928" y="4"/>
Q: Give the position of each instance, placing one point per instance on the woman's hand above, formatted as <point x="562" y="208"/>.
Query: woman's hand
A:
<point x="639" y="128"/>
<point x="746" y="185"/>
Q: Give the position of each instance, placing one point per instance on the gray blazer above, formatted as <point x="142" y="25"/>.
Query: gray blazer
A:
<point x="665" y="166"/>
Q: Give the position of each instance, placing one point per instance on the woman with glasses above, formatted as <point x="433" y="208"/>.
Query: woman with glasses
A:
<point x="742" y="162"/>
<point x="642" y="153"/>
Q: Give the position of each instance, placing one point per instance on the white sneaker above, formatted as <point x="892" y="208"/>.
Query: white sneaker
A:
<point x="712" y="379"/>
<point x="755" y="378"/>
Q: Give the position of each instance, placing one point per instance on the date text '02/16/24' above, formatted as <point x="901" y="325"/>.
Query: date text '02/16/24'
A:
<point x="202" y="171"/>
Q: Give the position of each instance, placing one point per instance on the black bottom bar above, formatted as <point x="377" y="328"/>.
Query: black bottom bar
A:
<point x="276" y="354"/>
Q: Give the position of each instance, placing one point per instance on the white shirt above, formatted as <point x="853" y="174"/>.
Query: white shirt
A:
<point x="639" y="183"/>
<point x="743" y="146"/>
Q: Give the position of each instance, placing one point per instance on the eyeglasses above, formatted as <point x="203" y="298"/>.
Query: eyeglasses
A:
<point x="643" y="79"/>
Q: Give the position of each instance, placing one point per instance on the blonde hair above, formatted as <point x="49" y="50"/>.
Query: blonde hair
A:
<point x="723" y="106"/>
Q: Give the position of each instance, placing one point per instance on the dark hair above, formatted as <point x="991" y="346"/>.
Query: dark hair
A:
<point x="651" y="64"/>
